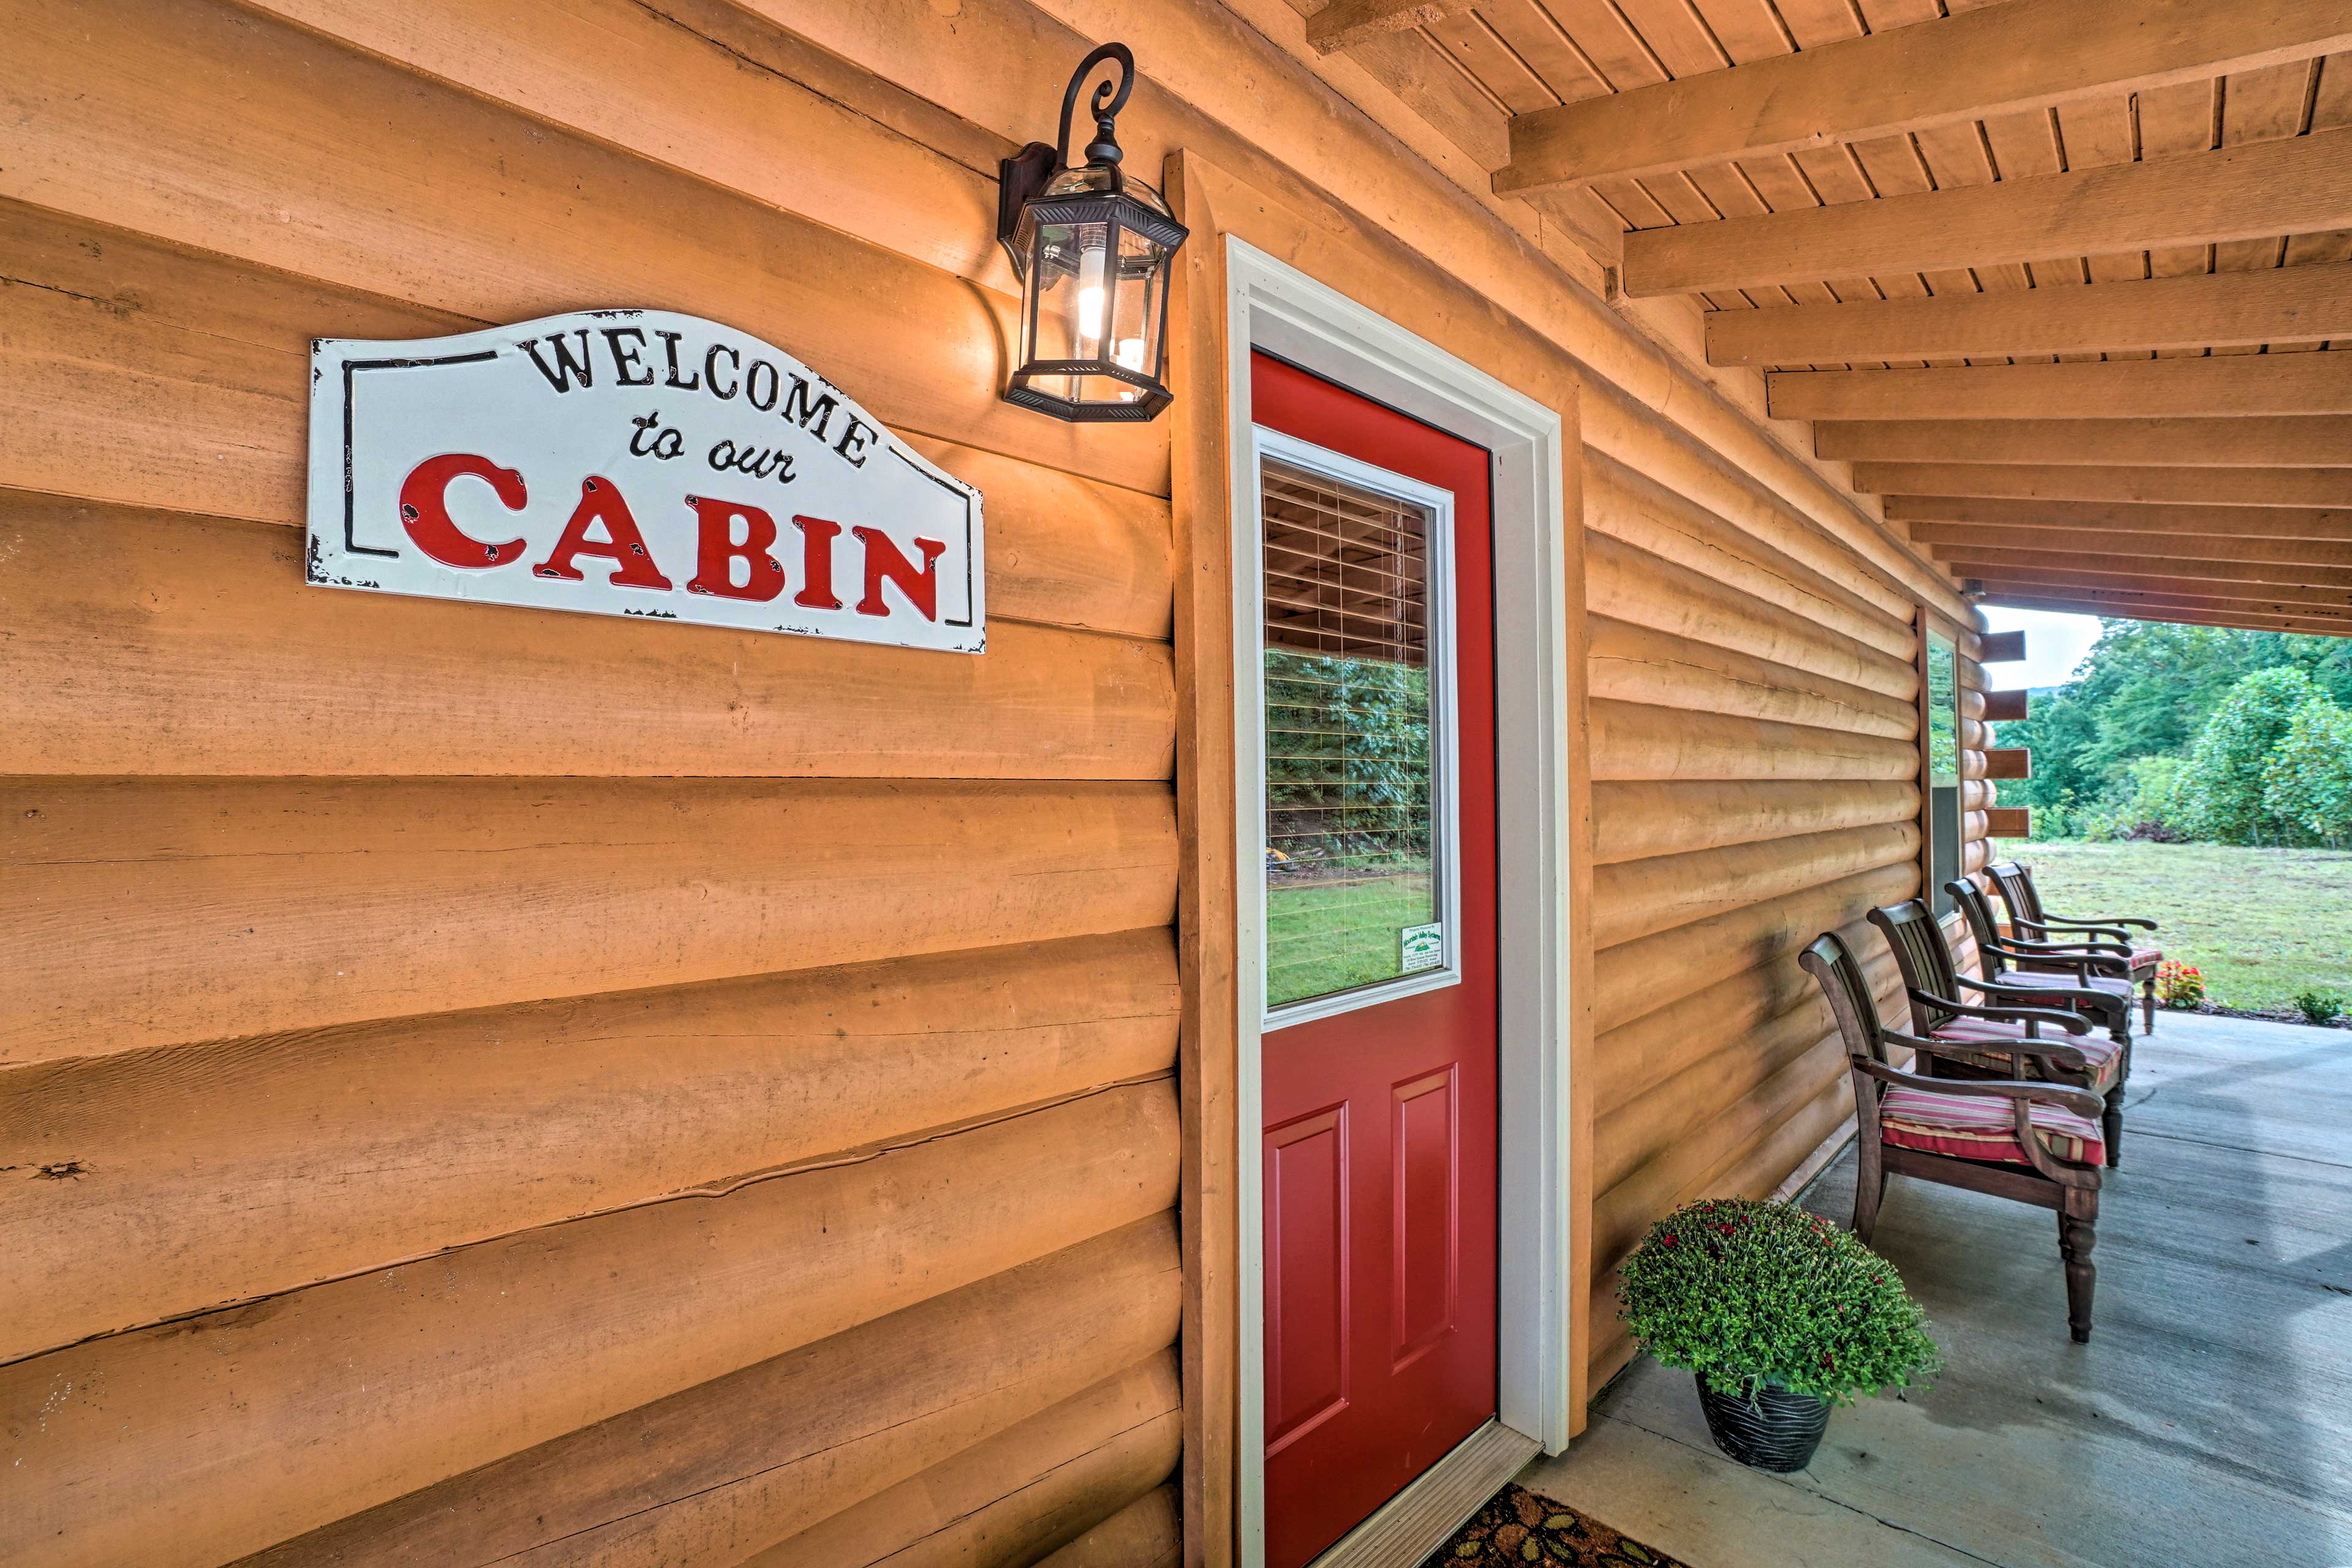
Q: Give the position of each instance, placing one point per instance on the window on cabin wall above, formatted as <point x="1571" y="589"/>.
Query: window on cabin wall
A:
<point x="1942" y="772"/>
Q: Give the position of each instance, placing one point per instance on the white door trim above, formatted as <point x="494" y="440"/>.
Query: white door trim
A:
<point x="1276" y="308"/>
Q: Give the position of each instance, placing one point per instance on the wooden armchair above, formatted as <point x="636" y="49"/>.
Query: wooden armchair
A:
<point x="2032" y="1143"/>
<point x="1987" y="1038"/>
<point x="2051" y="966"/>
<point x="2031" y="924"/>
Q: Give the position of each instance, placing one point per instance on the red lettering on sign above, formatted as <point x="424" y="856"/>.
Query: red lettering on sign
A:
<point x="717" y="551"/>
<point x="884" y="560"/>
<point x="816" y="563"/>
<point x="425" y="510"/>
<point x="622" y="544"/>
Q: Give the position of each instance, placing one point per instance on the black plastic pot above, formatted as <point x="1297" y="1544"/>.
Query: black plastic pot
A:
<point x="1766" y="1428"/>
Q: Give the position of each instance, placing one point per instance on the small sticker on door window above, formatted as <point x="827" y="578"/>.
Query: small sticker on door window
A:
<point x="1420" y="947"/>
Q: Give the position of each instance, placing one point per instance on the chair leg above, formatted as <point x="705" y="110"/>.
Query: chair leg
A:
<point x="2077" y="1235"/>
<point x="2147" y="1006"/>
<point x="2111" y="1125"/>
<point x="1869" y="1191"/>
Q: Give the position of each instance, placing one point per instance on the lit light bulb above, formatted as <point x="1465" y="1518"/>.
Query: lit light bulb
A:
<point x="1130" y="353"/>
<point x="1090" y="302"/>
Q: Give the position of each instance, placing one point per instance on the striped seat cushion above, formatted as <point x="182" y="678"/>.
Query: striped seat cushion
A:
<point x="1985" y="1036"/>
<point x="1974" y="1127"/>
<point x="2146" y="957"/>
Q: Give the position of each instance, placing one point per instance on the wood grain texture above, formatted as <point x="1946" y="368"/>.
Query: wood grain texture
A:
<point x="736" y="1464"/>
<point x="267" y="905"/>
<point x="343" y="168"/>
<point x="1146" y="1533"/>
<point x="1974" y="65"/>
<point x="208" y="1175"/>
<point x="1638" y="898"/>
<point x="1019" y="1496"/>
<point x="345" y="1395"/>
<point x="148" y="645"/>
<point x="2235" y="385"/>
<point x="2250" y="190"/>
<point x="1632" y="663"/>
<point x="2286" y="304"/>
<point x="2316" y="441"/>
<point x="1633" y="820"/>
<point x="1632" y="740"/>
<point x="1345" y="24"/>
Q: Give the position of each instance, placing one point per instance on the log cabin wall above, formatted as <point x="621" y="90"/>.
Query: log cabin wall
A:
<point x="467" y="1100"/>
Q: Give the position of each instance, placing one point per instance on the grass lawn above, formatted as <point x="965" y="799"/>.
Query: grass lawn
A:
<point x="1325" y="937"/>
<point x="2263" y="924"/>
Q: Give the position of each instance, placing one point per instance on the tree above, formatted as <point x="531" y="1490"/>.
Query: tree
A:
<point x="2222" y="790"/>
<point x="2307" y="780"/>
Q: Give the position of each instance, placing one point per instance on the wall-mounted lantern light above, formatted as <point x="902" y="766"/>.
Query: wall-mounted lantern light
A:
<point x="1091" y="247"/>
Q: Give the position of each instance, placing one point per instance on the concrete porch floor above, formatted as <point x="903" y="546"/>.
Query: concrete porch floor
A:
<point x="2208" y="1421"/>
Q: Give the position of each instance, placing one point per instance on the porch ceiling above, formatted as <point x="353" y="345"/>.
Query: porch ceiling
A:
<point x="2069" y="282"/>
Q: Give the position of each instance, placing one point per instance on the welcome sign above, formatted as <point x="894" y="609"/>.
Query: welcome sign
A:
<point x="634" y="463"/>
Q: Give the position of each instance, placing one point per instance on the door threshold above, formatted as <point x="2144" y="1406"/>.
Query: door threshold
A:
<point x="1434" y="1504"/>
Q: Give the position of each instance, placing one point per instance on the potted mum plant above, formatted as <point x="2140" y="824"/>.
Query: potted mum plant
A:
<point x="1779" y="1314"/>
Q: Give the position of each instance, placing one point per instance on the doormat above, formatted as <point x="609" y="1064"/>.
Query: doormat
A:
<point x="1518" y="1527"/>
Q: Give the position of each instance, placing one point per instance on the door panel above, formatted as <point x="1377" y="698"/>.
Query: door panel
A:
<point x="1381" y="1117"/>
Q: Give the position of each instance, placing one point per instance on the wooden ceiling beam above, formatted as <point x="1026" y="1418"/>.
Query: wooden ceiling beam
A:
<point x="2186" y="548"/>
<point x="2262" y="189"/>
<point x="2186" y="598"/>
<point x="2285" y="304"/>
<point x="2060" y="601"/>
<point x="2229" y="386"/>
<point x="1979" y="65"/>
<point x="2056" y="481"/>
<point x="2322" y="441"/>
<point x="1344" y="23"/>
<point x="2234" y="521"/>
<point x="2311" y="584"/>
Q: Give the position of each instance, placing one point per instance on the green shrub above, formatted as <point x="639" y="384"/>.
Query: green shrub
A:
<point x="2317" y="1006"/>
<point x="1733" y="1290"/>
<point x="2307" y="778"/>
<point x="2221" y="787"/>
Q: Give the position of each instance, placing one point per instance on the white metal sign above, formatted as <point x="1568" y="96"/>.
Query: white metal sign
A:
<point x="634" y="463"/>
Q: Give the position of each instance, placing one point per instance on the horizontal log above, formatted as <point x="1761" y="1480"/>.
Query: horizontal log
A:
<point x="349" y="1394"/>
<point x="2316" y="441"/>
<point x="1629" y="584"/>
<point x="1019" y="1496"/>
<point x="1638" y="977"/>
<point x="2026" y="596"/>
<point x="1805" y="1040"/>
<point x="2002" y="647"/>
<point x="1636" y="898"/>
<point x="2123" y="517"/>
<point x="733" y="1465"/>
<point x="1628" y="506"/>
<point x="2285" y="579"/>
<point x="206" y="1176"/>
<point x="2009" y="822"/>
<point x="1146" y="1533"/>
<point x="181" y="382"/>
<point x="1633" y="663"/>
<point x="146" y="644"/>
<point x="156" y="912"/>
<point x="2239" y="385"/>
<point x="1631" y="821"/>
<point x="2151" y="551"/>
<point x="2253" y="190"/>
<point x="1632" y="741"/>
<point x="365" y="159"/>
<point x="1958" y="68"/>
<point x="2284" y="304"/>
<point x="2330" y="488"/>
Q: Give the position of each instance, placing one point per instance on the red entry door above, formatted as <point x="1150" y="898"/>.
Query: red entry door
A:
<point x="1381" y="1114"/>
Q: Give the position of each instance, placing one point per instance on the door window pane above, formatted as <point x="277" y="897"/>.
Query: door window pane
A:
<point x="1351" y="873"/>
<point x="1943" y="770"/>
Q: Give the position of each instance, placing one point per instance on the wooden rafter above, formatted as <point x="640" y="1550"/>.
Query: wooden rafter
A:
<point x="1980" y="64"/>
<point x="2261" y="189"/>
<point x="2311" y="584"/>
<point x="2235" y="384"/>
<point x="2125" y="517"/>
<point x="2185" y="549"/>
<point x="2321" y="441"/>
<point x="1344" y="23"/>
<point x="2210" y="598"/>
<point x="2058" y="482"/>
<point x="2066" y="603"/>
<point x="2285" y="304"/>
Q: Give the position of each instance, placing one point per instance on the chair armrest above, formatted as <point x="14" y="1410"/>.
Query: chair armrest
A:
<point x="2086" y="922"/>
<point x="2072" y="1023"/>
<point x="2081" y="1102"/>
<point x="2057" y="949"/>
<point x="2056" y="1052"/>
<point x="2028" y="994"/>
<point x="2081" y="961"/>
